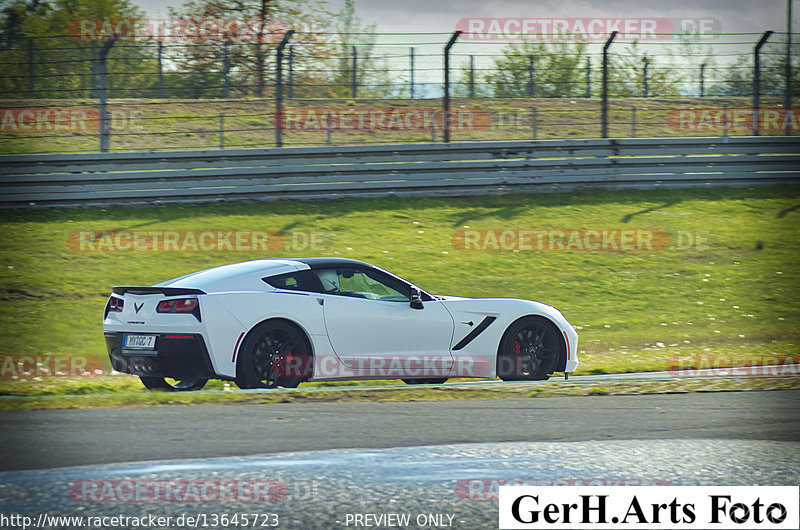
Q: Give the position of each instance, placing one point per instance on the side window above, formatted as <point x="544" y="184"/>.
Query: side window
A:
<point x="293" y="281"/>
<point x="362" y="283"/>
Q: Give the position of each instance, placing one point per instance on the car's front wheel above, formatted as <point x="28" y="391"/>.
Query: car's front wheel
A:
<point x="173" y="385"/>
<point x="528" y="350"/>
<point x="274" y="354"/>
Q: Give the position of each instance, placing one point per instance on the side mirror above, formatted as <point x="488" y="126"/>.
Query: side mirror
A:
<point x="416" y="299"/>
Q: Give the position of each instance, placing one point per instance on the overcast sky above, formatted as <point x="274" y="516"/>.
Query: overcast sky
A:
<point x="442" y="15"/>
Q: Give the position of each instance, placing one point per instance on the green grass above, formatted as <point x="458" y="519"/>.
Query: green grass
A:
<point x="143" y="124"/>
<point x="545" y="390"/>
<point x="634" y="311"/>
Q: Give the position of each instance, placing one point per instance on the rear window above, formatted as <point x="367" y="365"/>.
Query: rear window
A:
<point x="294" y="281"/>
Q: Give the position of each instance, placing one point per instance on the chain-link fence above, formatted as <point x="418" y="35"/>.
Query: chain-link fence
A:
<point x="125" y="85"/>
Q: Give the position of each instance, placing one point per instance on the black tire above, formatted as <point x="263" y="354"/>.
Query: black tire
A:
<point x="276" y="353"/>
<point x="182" y="385"/>
<point x="424" y="381"/>
<point x="529" y="350"/>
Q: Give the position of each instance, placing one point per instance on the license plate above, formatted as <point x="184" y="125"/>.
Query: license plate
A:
<point x="142" y="342"/>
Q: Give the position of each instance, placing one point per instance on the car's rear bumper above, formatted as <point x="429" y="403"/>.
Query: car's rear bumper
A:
<point x="174" y="355"/>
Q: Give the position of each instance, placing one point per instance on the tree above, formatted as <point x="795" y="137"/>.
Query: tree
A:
<point x="736" y="78"/>
<point x="626" y="73"/>
<point x="252" y="29"/>
<point x="471" y="76"/>
<point x="372" y="75"/>
<point x="557" y="70"/>
<point x="62" y="66"/>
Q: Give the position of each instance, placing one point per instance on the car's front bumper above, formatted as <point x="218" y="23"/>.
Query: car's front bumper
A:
<point x="174" y="355"/>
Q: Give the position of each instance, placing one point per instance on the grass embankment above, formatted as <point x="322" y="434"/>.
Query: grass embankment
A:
<point x="144" y="125"/>
<point x="440" y="393"/>
<point x="725" y="285"/>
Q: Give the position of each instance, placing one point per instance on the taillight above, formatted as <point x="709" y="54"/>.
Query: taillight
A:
<point x="116" y="304"/>
<point x="180" y="305"/>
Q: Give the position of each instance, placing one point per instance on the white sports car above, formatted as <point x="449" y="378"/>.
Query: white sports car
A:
<point x="279" y="322"/>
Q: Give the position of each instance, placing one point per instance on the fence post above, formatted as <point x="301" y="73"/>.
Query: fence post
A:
<point x="703" y="80"/>
<point x="226" y="69"/>
<point x="355" y="78"/>
<point x="530" y="75"/>
<point x="279" y="89"/>
<point x="328" y="129"/>
<point x="535" y="123"/>
<point x="472" y="76"/>
<point x="604" y="103"/>
<point x="757" y="81"/>
<point x="787" y="97"/>
<point x="222" y="130"/>
<point x="412" y="73"/>
<point x="633" y="121"/>
<point x="446" y="113"/>
<point x="31" y="70"/>
<point x="95" y="67"/>
<point x="105" y="119"/>
<point x="725" y="120"/>
<point x="291" y="71"/>
<point x="160" y="70"/>
<point x="646" y="91"/>
<point x="588" y="78"/>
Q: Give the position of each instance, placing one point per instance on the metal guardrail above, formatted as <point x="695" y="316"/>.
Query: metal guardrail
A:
<point x="407" y="169"/>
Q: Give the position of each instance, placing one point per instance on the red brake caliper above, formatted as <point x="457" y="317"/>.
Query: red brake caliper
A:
<point x="516" y="347"/>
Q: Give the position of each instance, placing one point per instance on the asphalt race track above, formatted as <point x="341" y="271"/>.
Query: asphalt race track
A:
<point x="322" y="465"/>
<point x="45" y="439"/>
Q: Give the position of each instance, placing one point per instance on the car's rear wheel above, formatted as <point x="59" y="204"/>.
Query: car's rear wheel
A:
<point x="173" y="385"/>
<point x="425" y="381"/>
<point x="528" y="350"/>
<point x="274" y="354"/>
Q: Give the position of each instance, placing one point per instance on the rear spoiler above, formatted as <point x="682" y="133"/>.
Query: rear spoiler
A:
<point x="167" y="291"/>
